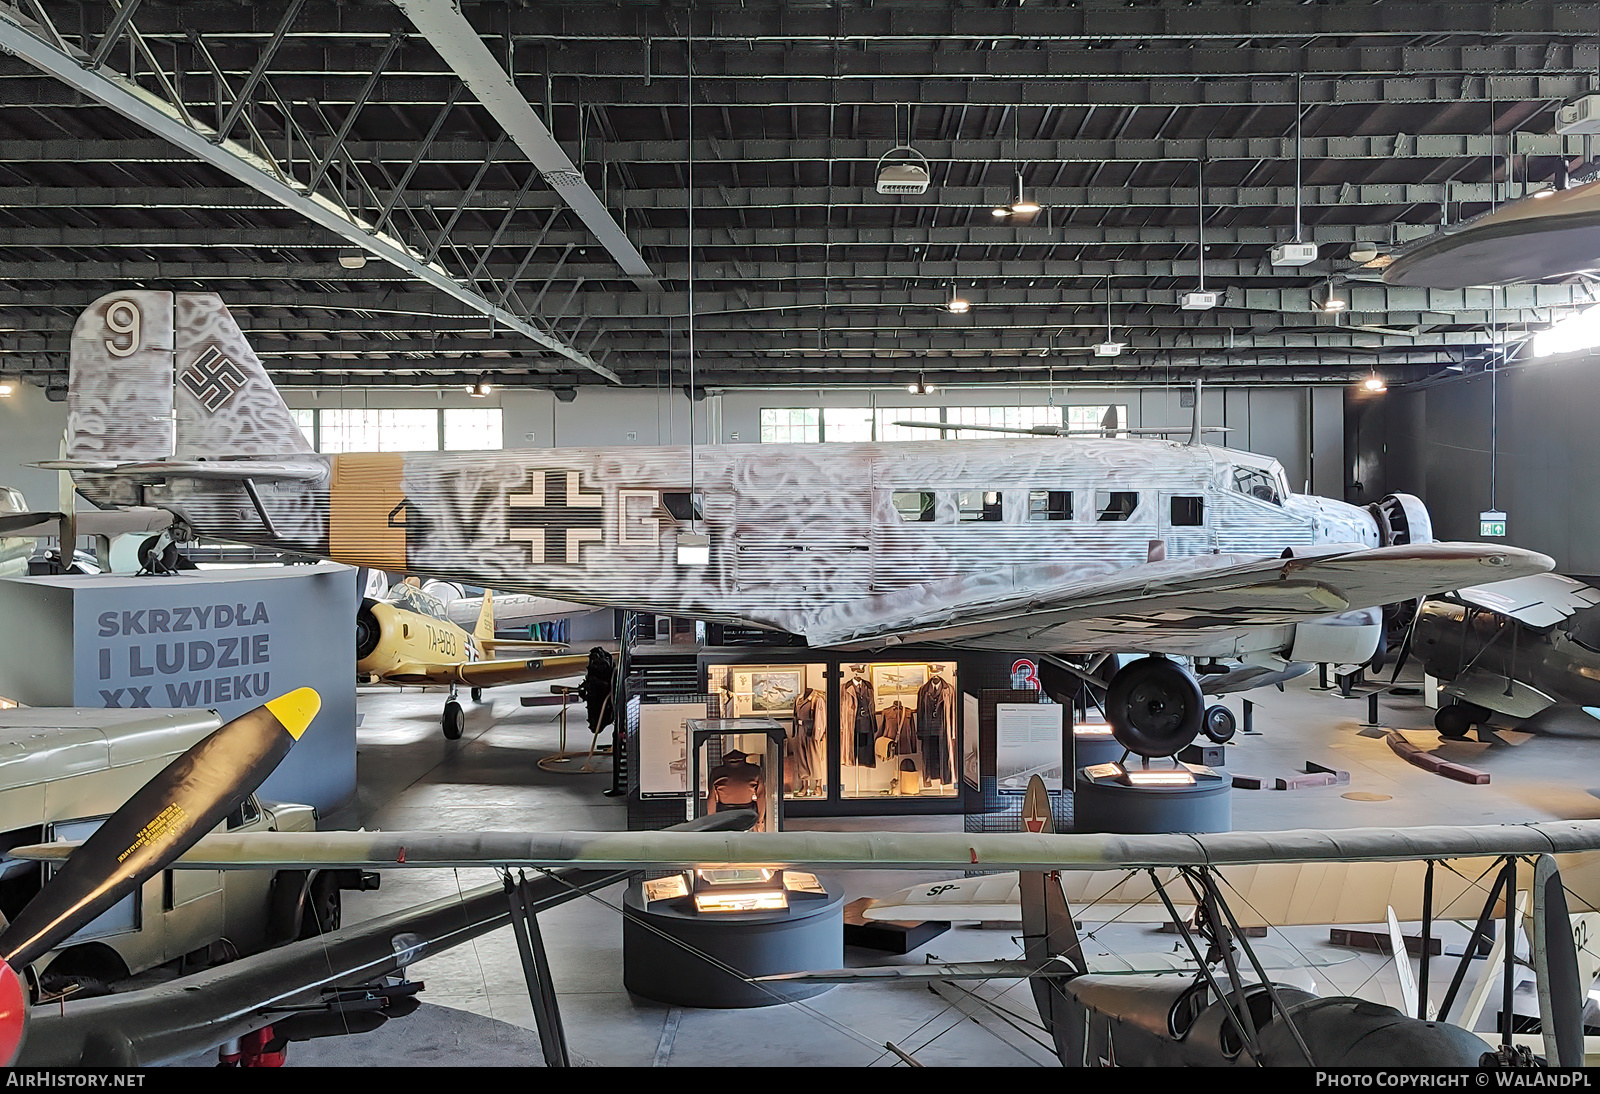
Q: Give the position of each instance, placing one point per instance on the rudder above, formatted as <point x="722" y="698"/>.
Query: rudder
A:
<point x="158" y="374"/>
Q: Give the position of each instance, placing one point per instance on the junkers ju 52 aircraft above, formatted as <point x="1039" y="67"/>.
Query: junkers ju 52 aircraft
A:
<point x="398" y="644"/>
<point x="1045" y="546"/>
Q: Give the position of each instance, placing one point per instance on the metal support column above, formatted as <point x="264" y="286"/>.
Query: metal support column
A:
<point x="536" y="970"/>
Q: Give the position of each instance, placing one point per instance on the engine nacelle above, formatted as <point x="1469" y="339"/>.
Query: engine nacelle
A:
<point x="1402" y="518"/>
<point x="1350" y="638"/>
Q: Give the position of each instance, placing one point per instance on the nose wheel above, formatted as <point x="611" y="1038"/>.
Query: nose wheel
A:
<point x="1155" y="707"/>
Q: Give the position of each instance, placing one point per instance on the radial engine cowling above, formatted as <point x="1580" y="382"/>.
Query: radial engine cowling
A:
<point x="369" y="632"/>
<point x="1401" y="518"/>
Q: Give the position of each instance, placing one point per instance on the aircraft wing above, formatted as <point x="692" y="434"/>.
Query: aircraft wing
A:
<point x="1141" y="606"/>
<point x="522" y="645"/>
<point x="1491" y="690"/>
<point x="1540" y="600"/>
<point x="1269" y="894"/>
<point x="483" y="674"/>
<point x="872" y="850"/>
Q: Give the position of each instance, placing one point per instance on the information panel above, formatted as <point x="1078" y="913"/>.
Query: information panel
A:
<point x="1028" y="742"/>
<point x="664" y="747"/>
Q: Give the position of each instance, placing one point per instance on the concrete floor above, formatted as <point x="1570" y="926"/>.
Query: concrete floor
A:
<point x="410" y="777"/>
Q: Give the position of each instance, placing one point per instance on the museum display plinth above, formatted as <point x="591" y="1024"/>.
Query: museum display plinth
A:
<point x="661" y="945"/>
<point x="1104" y="802"/>
<point x="1093" y="744"/>
<point x="224" y="640"/>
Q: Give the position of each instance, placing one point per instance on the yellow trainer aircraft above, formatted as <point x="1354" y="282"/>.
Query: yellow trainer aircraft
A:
<point x="407" y="642"/>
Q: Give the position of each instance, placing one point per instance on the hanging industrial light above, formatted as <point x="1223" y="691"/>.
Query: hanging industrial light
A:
<point x="1022" y="206"/>
<point x="921" y="387"/>
<point x="479" y="390"/>
<point x="1374" y="383"/>
<point x="1199" y="299"/>
<point x="1332" y="302"/>
<point x="959" y="305"/>
<point x="1108" y="348"/>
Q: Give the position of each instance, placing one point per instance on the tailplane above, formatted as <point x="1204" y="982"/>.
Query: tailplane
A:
<point x="160" y="375"/>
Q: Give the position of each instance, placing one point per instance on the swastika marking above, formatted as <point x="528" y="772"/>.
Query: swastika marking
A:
<point x="213" y="379"/>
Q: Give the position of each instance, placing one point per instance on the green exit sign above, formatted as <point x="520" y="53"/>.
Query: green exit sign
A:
<point x="1492" y="523"/>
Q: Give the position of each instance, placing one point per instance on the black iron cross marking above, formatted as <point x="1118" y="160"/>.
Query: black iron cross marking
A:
<point x="213" y="379"/>
<point x="555" y="517"/>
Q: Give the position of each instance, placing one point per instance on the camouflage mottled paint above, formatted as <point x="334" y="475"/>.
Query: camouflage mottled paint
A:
<point x="803" y="538"/>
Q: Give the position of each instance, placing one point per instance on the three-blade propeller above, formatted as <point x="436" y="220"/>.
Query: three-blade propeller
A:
<point x="189" y="798"/>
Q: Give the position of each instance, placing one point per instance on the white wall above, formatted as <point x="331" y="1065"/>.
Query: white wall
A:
<point x="1303" y="428"/>
<point x="31" y="428"/>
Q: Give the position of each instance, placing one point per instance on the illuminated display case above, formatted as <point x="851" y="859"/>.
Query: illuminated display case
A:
<point x="899" y="730"/>
<point x="738" y="764"/>
<point x="732" y="891"/>
<point x="794" y="696"/>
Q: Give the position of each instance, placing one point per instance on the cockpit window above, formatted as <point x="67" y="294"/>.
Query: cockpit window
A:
<point x="1257" y="483"/>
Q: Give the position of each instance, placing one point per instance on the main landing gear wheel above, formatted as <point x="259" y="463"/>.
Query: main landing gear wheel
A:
<point x="1155" y="707"/>
<point x="455" y="721"/>
<point x="1454" y="720"/>
<point x="1219" y="724"/>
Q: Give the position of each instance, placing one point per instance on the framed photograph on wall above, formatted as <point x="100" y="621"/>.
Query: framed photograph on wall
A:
<point x="891" y="683"/>
<point x="773" y="691"/>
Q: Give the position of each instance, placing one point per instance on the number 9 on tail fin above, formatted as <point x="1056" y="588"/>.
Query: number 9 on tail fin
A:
<point x="158" y="375"/>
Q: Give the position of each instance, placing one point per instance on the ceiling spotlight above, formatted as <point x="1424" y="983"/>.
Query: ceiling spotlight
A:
<point x="1000" y="211"/>
<point x="921" y="387"/>
<point x="6" y="388"/>
<point x="1374" y="384"/>
<point x="352" y="258"/>
<point x="479" y="390"/>
<point x="1332" y="301"/>
<point x="960" y="305"/>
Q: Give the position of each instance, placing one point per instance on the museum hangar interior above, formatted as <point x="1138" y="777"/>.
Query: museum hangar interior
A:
<point x="967" y="443"/>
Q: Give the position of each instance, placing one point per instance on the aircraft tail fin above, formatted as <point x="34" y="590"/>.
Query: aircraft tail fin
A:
<point x="158" y="375"/>
<point x="484" y="631"/>
<point x="1048" y="932"/>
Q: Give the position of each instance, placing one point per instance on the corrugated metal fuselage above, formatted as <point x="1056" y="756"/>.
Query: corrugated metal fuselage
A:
<point x="790" y="528"/>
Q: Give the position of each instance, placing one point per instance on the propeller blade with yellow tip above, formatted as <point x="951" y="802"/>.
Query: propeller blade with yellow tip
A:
<point x="161" y="821"/>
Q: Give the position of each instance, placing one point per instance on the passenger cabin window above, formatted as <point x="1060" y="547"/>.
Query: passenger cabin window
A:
<point x="1115" y="504"/>
<point x="914" y="505"/>
<point x="682" y="505"/>
<point x="1049" y="504"/>
<point x="1256" y="483"/>
<point x="1188" y="512"/>
<point x="975" y="505"/>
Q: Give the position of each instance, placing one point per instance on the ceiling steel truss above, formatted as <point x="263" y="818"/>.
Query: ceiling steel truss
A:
<point x="517" y="177"/>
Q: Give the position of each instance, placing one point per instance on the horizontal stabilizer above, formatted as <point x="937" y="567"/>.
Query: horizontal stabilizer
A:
<point x="231" y="470"/>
